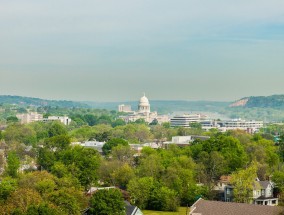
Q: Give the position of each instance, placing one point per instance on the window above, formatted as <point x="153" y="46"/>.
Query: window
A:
<point x="228" y="191"/>
<point x="262" y="192"/>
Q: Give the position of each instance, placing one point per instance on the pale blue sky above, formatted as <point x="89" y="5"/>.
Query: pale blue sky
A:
<point x="110" y="50"/>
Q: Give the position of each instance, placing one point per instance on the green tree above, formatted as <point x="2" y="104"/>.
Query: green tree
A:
<point x="278" y="179"/>
<point x="46" y="158"/>
<point x="12" y="119"/>
<point x="140" y="190"/>
<point x="91" y="119"/>
<point x="20" y="200"/>
<point x="154" y="122"/>
<point x="118" y="122"/>
<point x="163" y="199"/>
<point x="195" y="125"/>
<point x="7" y="186"/>
<point x="59" y="142"/>
<point x="56" y="128"/>
<point x="43" y="209"/>
<point x="151" y="166"/>
<point x="20" y="133"/>
<point x="112" y="143"/>
<point x="123" y="175"/>
<point x="123" y="154"/>
<point x="13" y="162"/>
<point x="107" y="202"/>
<point x="214" y="165"/>
<point x="67" y="202"/>
<point x="82" y="163"/>
<point x="243" y="182"/>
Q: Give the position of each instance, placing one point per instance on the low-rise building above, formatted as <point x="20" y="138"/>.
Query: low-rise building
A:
<point x="26" y="118"/>
<point x="91" y="144"/>
<point x="63" y="119"/>
<point x="184" y="140"/>
<point x="124" y="108"/>
<point x="185" y="120"/>
<point x="250" y="126"/>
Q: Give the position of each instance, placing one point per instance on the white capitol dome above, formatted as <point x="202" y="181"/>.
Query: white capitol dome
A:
<point x="144" y="105"/>
<point x="144" y="100"/>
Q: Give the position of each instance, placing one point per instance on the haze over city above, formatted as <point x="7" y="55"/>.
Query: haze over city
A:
<point x="116" y="50"/>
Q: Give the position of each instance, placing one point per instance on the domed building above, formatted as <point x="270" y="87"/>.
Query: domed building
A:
<point x="144" y="105"/>
<point x="144" y="112"/>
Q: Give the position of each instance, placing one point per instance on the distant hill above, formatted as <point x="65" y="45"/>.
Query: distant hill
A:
<point x="274" y="101"/>
<point x="28" y="101"/>
<point x="156" y="105"/>
<point x="166" y="106"/>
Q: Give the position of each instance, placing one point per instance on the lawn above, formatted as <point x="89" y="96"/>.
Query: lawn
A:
<point x="182" y="211"/>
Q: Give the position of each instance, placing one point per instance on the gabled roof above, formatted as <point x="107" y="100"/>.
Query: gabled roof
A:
<point x="205" y="207"/>
<point x="264" y="184"/>
<point x="261" y="184"/>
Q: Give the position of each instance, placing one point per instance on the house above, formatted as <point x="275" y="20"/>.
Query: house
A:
<point x="205" y="207"/>
<point x="219" y="188"/>
<point x="262" y="193"/>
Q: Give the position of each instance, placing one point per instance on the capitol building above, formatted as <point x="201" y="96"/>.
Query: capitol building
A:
<point x="143" y="112"/>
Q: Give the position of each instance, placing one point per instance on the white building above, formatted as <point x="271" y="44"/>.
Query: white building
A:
<point x="241" y="124"/>
<point x="185" y="120"/>
<point x="209" y="124"/>
<point x="91" y="144"/>
<point x="144" y="112"/>
<point x="184" y="140"/>
<point x="124" y="108"/>
<point x="29" y="117"/>
<point x="233" y="124"/>
<point x="144" y="105"/>
<point x="63" y="119"/>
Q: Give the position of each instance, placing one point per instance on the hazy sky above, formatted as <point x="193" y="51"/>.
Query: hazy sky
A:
<point x="113" y="50"/>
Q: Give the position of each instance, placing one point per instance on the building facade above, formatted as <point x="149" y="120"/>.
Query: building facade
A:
<point x="124" y="108"/>
<point x="63" y="119"/>
<point x="144" y="112"/>
<point x="29" y="117"/>
<point x="185" y="120"/>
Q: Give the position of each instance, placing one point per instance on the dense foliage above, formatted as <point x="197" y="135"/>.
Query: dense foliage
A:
<point x="47" y="174"/>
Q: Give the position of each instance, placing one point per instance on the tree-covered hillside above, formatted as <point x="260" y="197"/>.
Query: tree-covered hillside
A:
<point x="28" y="101"/>
<point x="274" y="101"/>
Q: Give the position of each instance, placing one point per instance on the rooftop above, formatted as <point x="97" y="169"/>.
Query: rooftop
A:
<point x="205" y="207"/>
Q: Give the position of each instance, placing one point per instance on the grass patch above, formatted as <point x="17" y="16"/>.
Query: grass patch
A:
<point x="181" y="211"/>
